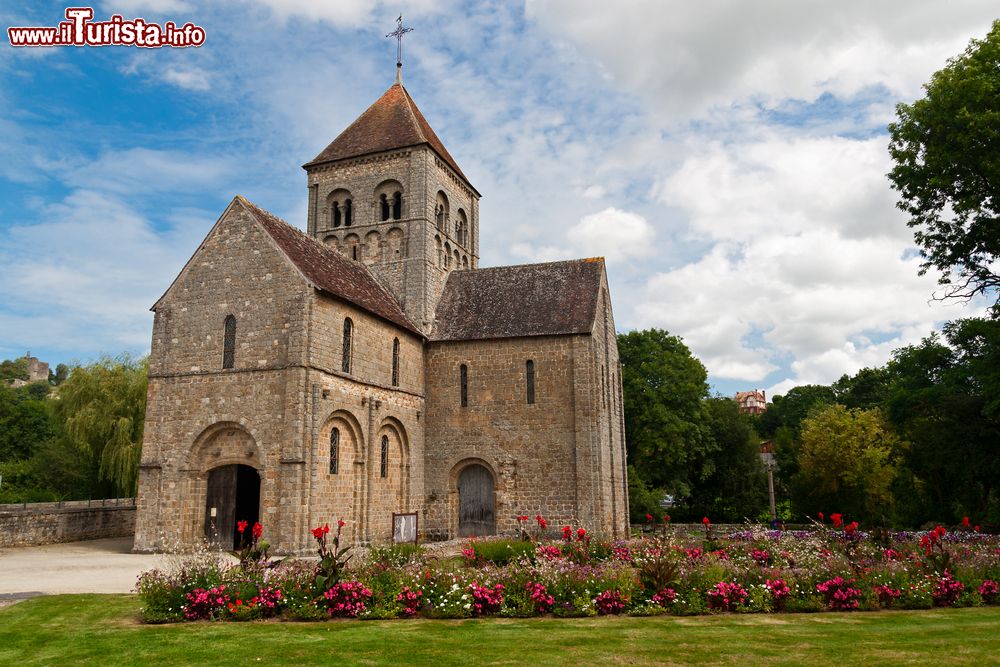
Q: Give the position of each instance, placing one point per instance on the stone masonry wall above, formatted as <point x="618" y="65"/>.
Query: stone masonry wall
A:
<point x="530" y="449"/>
<point x="50" y="523"/>
<point x="200" y="416"/>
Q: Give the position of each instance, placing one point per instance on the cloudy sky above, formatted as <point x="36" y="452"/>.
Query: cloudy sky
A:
<point x="727" y="158"/>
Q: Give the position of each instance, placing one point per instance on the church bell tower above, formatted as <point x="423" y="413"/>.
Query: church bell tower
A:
<point x="387" y="193"/>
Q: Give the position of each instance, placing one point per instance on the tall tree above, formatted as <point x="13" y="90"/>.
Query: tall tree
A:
<point x="946" y="147"/>
<point x="943" y="400"/>
<point x="736" y="489"/>
<point x="666" y="422"/>
<point x="102" y="408"/>
<point x="847" y="463"/>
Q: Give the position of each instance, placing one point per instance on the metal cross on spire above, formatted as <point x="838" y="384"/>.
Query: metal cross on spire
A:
<point x="398" y="34"/>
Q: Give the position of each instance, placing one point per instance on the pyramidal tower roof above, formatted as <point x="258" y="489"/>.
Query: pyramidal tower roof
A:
<point x="392" y="122"/>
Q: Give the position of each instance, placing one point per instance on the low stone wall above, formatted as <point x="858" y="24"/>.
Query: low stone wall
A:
<point x="29" y="524"/>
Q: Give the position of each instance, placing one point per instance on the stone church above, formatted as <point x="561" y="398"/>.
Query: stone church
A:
<point x="370" y="367"/>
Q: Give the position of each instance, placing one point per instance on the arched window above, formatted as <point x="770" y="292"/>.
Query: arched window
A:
<point x="529" y="374"/>
<point x="397" y="205"/>
<point x="335" y="214"/>
<point x="384" y="205"/>
<point x="383" y="466"/>
<point x="345" y="362"/>
<point x="462" y="228"/>
<point x="348" y="213"/>
<point x="334" y="450"/>
<point x="464" y="385"/>
<point x="229" y="343"/>
<point x="395" y="362"/>
<point x="441" y="211"/>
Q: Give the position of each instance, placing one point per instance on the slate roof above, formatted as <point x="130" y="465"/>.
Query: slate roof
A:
<point x="392" y="122"/>
<point x="514" y="301"/>
<point x="330" y="271"/>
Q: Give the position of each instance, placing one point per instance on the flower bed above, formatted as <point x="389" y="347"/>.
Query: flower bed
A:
<point x="839" y="568"/>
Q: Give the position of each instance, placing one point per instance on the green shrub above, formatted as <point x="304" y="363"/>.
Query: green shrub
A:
<point x="501" y="552"/>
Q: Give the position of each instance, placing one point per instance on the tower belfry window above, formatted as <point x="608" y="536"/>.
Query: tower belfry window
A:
<point x="335" y="214"/>
<point x="348" y="213"/>
<point x="397" y="205"/>
<point x="384" y="205"/>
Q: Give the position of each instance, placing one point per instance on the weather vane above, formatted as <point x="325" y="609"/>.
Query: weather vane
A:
<point x="398" y="34"/>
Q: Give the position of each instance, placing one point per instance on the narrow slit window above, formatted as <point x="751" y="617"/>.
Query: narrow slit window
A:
<point x="334" y="450"/>
<point x="345" y="362"/>
<point x="464" y="385"/>
<point x="348" y="217"/>
<point x="229" y="343"/>
<point x="395" y="362"/>
<point x="529" y="376"/>
<point x="384" y="457"/>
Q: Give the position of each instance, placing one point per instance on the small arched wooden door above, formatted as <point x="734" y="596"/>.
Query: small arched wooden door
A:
<point x="475" y="502"/>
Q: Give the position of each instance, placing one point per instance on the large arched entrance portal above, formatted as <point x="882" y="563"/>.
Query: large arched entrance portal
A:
<point x="476" y="514"/>
<point x="233" y="496"/>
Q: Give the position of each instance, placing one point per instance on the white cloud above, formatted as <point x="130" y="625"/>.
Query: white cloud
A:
<point x="136" y="171"/>
<point x="806" y="262"/>
<point x="614" y="234"/>
<point x="189" y="78"/>
<point x="84" y="277"/>
<point x="688" y="58"/>
<point x="129" y="8"/>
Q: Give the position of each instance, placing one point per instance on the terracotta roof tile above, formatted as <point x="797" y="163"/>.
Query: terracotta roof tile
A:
<point x="330" y="271"/>
<point x="394" y="121"/>
<point x="515" y="301"/>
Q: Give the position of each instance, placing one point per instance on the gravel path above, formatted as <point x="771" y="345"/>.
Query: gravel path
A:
<point x="94" y="566"/>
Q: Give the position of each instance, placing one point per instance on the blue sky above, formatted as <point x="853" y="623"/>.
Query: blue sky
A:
<point x="728" y="159"/>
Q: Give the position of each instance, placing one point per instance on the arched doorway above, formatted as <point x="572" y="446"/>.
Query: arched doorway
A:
<point x="475" y="502"/>
<point x="233" y="495"/>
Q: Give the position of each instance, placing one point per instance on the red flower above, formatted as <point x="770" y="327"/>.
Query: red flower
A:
<point x="241" y="526"/>
<point x="649" y="518"/>
<point x="318" y="533"/>
<point x="326" y="528"/>
<point x="580" y="533"/>
<point x="821" y="517"/>
<point x="706" y="521"/>
<point x="837" y="520"/>
<point x="851" y="527"/>
<point x="965" y="522"/>
<point x="976" y="528"/>
<point x="567" y="532"/>
<point x="542" y="523"/>
<point x="666" y="518"/>
<point x="258" y="530"/>
<point x="340" y="523"/>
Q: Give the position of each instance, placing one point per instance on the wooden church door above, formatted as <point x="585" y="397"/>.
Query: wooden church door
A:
<point x="475" y="502"/>
<point x="233" y="495"/>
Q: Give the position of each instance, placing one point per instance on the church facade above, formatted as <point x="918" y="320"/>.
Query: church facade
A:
<point x="371" y="367"/>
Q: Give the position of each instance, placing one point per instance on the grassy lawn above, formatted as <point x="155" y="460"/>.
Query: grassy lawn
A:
<point x="104" y="630"/>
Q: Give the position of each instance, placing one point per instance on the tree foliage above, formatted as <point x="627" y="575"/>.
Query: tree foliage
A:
<point x="848" y="460"/>
<point x="946" y="148"/>
<point x="736" y="489"/>
<point x="666" y="422"/>
<point x="102" y="408"/>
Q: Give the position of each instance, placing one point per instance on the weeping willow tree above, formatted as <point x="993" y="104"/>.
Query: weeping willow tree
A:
<point x="102" y="407"/>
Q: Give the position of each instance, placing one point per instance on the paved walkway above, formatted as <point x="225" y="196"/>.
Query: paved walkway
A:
<point x="94" y="566"/>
